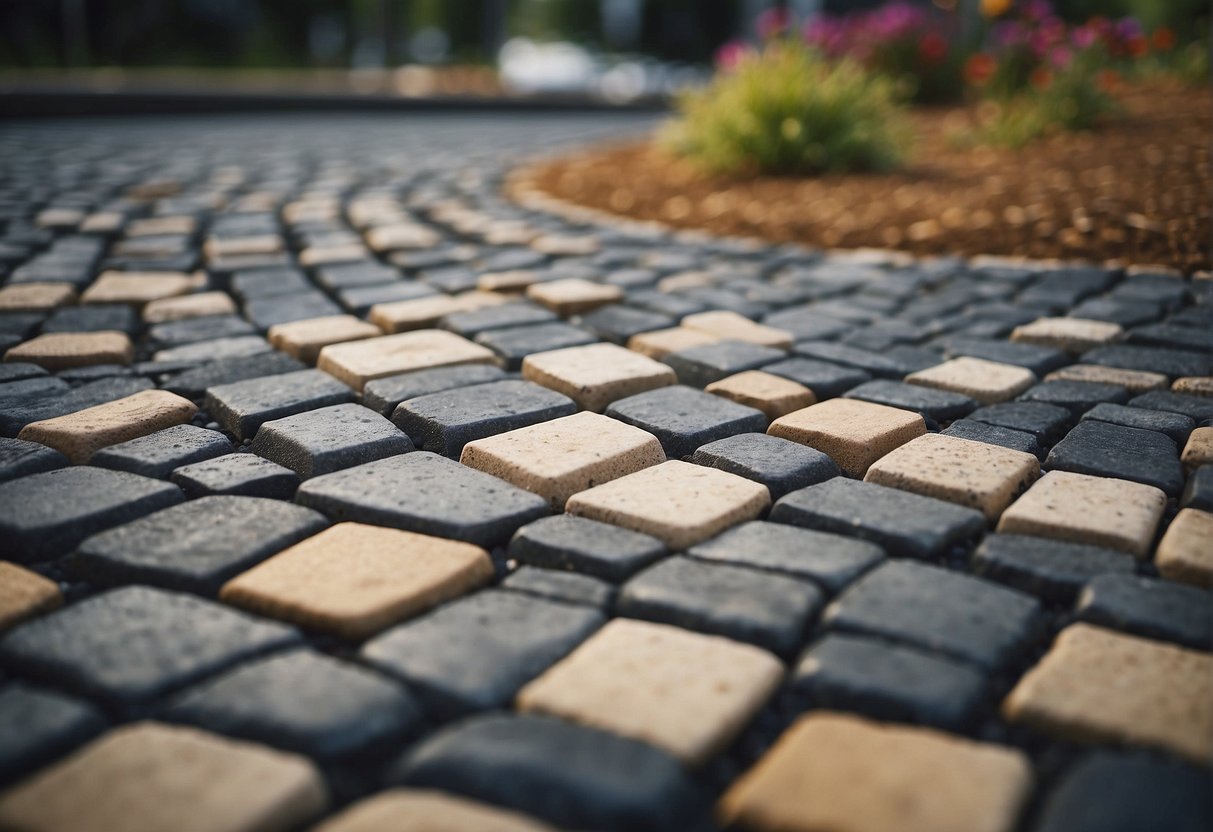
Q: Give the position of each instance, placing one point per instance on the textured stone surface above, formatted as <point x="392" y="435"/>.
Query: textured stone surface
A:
<point x="975" y="431"/>
<point x="382" y="395"/>
<point x="425" y="810"/>
<point x="734" y="327"/>
<point x="1135" y="381"/>
<point x="855" y="434"/>
<point x="1184" y="553"/>
<point x="773" y="395"/>
<point x="242" y="407"/>
<point x="594" y="376"/>
<point x="878" y="777"/>
<point x="159" y="454"/>
<point x="986" y="381"/>
<point x="556" y="585"/>
<point x="935" y="405"/>
<point x="24" y="594"/>
<point x="19" y="458"/>
<point x="710" y="363"/>
<point x="779" y="464"/>
<point x="685" y="419"/>
<point x="586" y="546"/>
<point x="1198" y="450"/>
<point x="358" y="362"/>
<point x="1073" y="335"/>
<point x="1174" y="426"/>
<point x="1050" y="569"/>
<point x="241" y="474"/>
<point x="1163" y="610"/>
<point x="329" y="439"/>
<point x="1106" y="450"/>
<point x="65" y="350"/>
<point x="81" y="434"/>
<point x="40" y="725"/>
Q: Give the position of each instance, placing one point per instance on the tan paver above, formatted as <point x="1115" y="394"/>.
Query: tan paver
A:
<point x="974" y="474"/>
<point x="1096" y="685"/>
<point x="56" y="351"/>
<point x="1198" y="450"/>
<point x="63" y="218"/>
<point x="154" y="226"/>
<point x="355" y="580"/>
<point x="597" y="374"/>
<point x="328" y="255"/>
<point x="989" y="382"/>
<point x="181" y="307"/>
<point x="832" y="772"/>
<point x="688" y="693"/>
<point x="1194" y="386"/>
<point x="1185" y="552"/>
<point x="218" y="248"/>
<point x="149" y="777"/>
<point x="855" y="434"/>
<point x="35" y="297"/>
<point x="401" y="235"/>
<point x="679" y="503"/>
<point x="422" y="313"/>
<point x="305" y="339"/>
<point x="358" y="362"/>
<point x="1135" y="381"/>
<point x="81" y="434"/>
<point x="734" y="327"/>
<point x="773" y="395"/>
<point x="559" y="458"/>
<point x="511" y="281"/>
<point x="24" y="594"/>
<point x="137" y="288"/>
<point x="661" y="342"/>
<point x="1072" y="335"/>
<point x="422" y="810"/>
<point x="573" y="296"/>
<point x="571" y="245"/>
<point x="1101" y="511"/>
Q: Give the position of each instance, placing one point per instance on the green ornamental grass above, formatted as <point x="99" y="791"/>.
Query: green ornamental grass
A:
<point x="788" y="110"/>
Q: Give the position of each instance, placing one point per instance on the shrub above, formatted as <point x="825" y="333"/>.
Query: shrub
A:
<point x="786" y="109"/>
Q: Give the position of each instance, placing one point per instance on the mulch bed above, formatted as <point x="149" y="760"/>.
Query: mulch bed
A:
<point x="1137" y="190"/>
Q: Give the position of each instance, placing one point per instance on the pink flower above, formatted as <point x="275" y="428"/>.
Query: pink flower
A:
<point x="1084" y="37"/>
<point x="772" y="23"/>
<point x="731" y="54"/>
<point x="1060" y="57"/>
<point x="1037" y="9"/>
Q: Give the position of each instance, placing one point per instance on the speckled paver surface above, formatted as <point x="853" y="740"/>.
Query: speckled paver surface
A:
<point x="347" y="484"/>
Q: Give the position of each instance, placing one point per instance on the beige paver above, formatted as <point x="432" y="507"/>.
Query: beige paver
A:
<point x="1135" y="381"/>
<point x="354" y="580"/>
<point x="357" y="362"/>
<point x="559" y="458"/>
<point x="1194" y="386"/>
<point x="511" y="281"/>
<point x="1101" y="511"/>
<point x="688" y="693"/>
<point x="35" y="297"/>
<point x="402" y="235"/>
<point x="855" y="434"/>
<point x="56" y="351"/>
<point x="103" y="222"/>
<point x="597" y="374"/>
<point x="422" y="313"/>
<point x="570" y="245"/>
<point x="1096" y="685"/>
<point x="181" y="307"/>
<point x="1185" y="552"/>
<point x="832" y="772"/>
<point x="328" y="255"/>
<point x="573" y="296"/>
<point x="155" y="226"/>
<point x="734" y="327"/>
<point x="218" y="248"/>
<point x="773" y="395"/>
<point x="149" y="777"/>
<point x="422" y="810"/>
<point x="661" y="342"/>
<point x="1072" y="335"/>
<point x="24" y="594"/>
<point x="81" y="434"/>
<point x="1198" y="450"/>
<point x="989" y="382"/>
<point x="305" y="339"/>
<point x="679" y="503"/>
<point x="62" y="218"/>
<point x="137" y="288"/>
<point x="974" y="474"/>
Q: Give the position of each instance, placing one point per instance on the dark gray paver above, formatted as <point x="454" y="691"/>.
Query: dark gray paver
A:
<point x="1174" y="363"/>
<point x="192" y="330"/>
<point x="976" y="431"/>
<point x="1106" y="450"/>
<point x="618" y="323"/>
<point x="244" y="474"/>
<point x="574" y="777"/>
<point x="806" y="324"/>
<point x="329" y="439"/>
<point x="763" y="608"/>
<point x="832" y="561"/>
<point x="242" y="407"/>
<point x="128" y="646"/>
<point x="383" y="394"/>
<point x="905" y="524"/>
<point x="46" y="515"/>
<point x="196" y="546"/>
<point x="475" y="653"/>
<point x="516" y="343"/>
<point x="938" y="610"/>
<point x="586" y="546"/>
<point x="31" y="389"/>
<point x="702" y="365"/>
<point x="1149" y="607"/>
<point x="1174" y="425"/>
<point x="935" y="405"/>
<point x="1127" y="792"/>
<point x="93" y="318"/>
<point x="875" y="364"/>
<point x="444" y="422"/>
<point x="359" y="299"/>
<point x="1040" y="360"/>
<point x="685" y="419"/>
<point x="1075" y="396"/>
<point x="469" y="324"/>
<point x="17" y="414"/>
<point x="1173" y="336"/>
<point x="1054" y="570"/>
<point x="158" y="454"/>
<point x="264" y="312"/>
<point x="557" y="585"/>
<point x="352" y="275"/>
<point x="1198" y="492"/>
<point x="194" y="383"/>
<point x="253" y="283"/>
<point x="39" y="725"/>
<point x="779" y="464"/>
<point x="824" y="379"/>
<point x="426" y="493"/>
<point x="17" y="371"/>
<point x="19" y="458"/>
<point x="1047" y="422"/>
<point x="1195" y="407"/>
<point x="303" y="701"/>
<point x="886" y="681"/>
<point x="218" y="349"/>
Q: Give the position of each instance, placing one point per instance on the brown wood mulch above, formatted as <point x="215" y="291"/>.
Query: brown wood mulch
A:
<point x="1137" y="190"/>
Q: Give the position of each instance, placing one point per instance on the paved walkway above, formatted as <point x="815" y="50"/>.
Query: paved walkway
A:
<point x="336" y="488"/>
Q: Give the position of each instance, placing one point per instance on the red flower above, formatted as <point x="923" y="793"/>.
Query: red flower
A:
<point x="979" y="68"/>
<point x="932" y="48"/>
<point x="1041" y="78"/>
<point x="1163" y="39"/>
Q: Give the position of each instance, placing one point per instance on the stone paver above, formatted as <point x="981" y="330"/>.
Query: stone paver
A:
<point x="1096" y="685"/>
<point x="1163" y="610"/>
<point x="736" y="327"/>
<point x="35" y="297"/>
<point x="426" y="810"/>
<point x="1054" y="570"/>
<point x="1135" y="381"/>
<point x="855" y="434"/>
<point x="241" y="474"/>
<point x="63" y="350"/>
<point x="659" y="343"/>
<point x="685" y="419"/>
<point x="1073" y="335"/>
<point x="988" y="382"/>
<point x="80" y="434"/>
<point x="1114" y="451"/>
<point x="584" y="546"/>
<point x="159" y="454"/>
<point x="355" y="580"/>
<point x="305" y="339"/>
<point x="151" y="776"/>
<point x="242" y="407"/>
<point x="686" y="693"/>
<point x="596" y="375"/>
<point x="1184" y="553"/>
<point x="185" y="307"/>
<point x="40" y="725"/>
<point x="779" y="464"/>
<point x="773" y="395"/>
<point x="329" y="439"/>
<point x="878" y="777"/>
<point x="137" y="288"/>
<point x="358" y="362"/>
<point x="24" y="594"/>
<point x="1198" y="450"/>
<point x="573" y="296"/>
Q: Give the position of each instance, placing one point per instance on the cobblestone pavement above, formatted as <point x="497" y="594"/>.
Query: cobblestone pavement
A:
<point x="336" y="488"/>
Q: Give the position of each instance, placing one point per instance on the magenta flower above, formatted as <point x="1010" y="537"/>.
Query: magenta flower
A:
<point x="732" y="53"/>
<point x="772" y="23"/>
<point x="1060" y="57"/>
